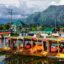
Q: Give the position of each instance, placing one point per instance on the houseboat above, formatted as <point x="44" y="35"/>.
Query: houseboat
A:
<point x="29" y="45"/>
<point x="56" y="47"/>
<point x="4" y="41"/>
<point x="16" y="43"/>
<point x="34" y="46"/>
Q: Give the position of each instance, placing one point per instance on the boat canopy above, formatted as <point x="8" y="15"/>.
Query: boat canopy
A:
<point x="57" y="39"/>
<point x="16" y="38"/>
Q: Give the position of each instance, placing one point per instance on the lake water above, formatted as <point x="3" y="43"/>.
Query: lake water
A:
<point x="18" y="59"/>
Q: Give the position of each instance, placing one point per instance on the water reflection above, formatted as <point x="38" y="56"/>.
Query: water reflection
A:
<point x="18" y="59"/>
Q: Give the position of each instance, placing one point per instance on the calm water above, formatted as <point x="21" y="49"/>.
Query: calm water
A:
<point x="17" y="59"/>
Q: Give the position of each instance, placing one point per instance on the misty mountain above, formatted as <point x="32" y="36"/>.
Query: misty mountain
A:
<point x="53" y="14"/>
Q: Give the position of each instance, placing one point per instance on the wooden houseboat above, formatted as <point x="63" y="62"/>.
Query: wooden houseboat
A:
<point x="56" y="47"/>
<point x="4" y="41"/>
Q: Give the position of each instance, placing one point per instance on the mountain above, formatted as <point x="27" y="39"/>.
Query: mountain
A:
<point x="33" y="19"/>
<point x="53" y="14"/>
<point x="16" y="12"/>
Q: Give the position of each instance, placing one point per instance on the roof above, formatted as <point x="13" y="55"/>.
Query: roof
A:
<point x="48" y="30"/>
<point x="1" y="33"/>
<point x="36" y="39"/>
<point x="57" y="39"/>
<point x="52" y="39"/>
<point x="18" y="23"/>
<point x="34" y="32"/>
<point x="60" y="39"/>
<point x="28" y="38"/>
<point x="16" y="38"/>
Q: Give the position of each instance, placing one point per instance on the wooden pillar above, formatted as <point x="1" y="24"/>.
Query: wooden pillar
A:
<point x="37" y="42"/>
<point x="31" y="43"/>
<point x="17" y="44"/>
<point x="4" y="42"/>
<point x="48" y="47"/>
<point x="23" y="43"/>
<point x="11" y="43"/>
<point x="8" y="43"/>
<point x="58" y="47"/>
<point x="42" y="46"/>
<point x="36" y="45"/>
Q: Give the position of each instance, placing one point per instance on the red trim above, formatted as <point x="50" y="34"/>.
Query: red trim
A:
<point x="1" y="33"/>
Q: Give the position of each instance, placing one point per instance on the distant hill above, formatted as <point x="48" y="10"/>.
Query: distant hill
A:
<point x="49" y="16"/>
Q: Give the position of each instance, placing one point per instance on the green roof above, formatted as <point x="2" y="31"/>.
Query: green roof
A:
<point x="18" y="23"/>
<point x="34" y="32"/>
<point x="48" y="30"/>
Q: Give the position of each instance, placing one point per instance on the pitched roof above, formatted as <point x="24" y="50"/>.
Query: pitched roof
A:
<point x="18" y="23"/>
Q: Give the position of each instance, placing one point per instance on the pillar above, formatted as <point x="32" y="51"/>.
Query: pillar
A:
<point x="58" y="47"/>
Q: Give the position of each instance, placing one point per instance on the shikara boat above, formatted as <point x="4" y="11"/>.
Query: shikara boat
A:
<point x="56" y="47"/>
<point x="28" y="45"/>
<point x="34" y="46"/>
<point x="16" y="43"/>
<point x="4" y="41"/>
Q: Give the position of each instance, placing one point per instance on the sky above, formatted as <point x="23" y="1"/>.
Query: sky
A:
<point x="29" y="6"/>
<point x="36" y="4"/>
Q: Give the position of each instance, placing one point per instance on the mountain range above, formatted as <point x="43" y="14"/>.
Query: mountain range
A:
<point x="53" y="14"/>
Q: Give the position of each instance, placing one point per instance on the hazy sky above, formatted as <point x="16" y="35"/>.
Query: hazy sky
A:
<point x="38" y="4"/>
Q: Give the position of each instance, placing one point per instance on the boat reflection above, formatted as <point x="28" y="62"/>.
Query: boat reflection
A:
<point x="17" y="59"/>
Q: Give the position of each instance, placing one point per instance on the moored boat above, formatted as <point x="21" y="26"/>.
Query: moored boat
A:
<point x="56" y="48"/>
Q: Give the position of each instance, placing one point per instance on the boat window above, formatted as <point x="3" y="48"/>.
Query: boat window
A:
<point x="20" y="41"/>
<point x="54" y="48"/>
<point x="27" y="42"/>
<point x="6" y="42"/>
<point x="1" y="44"/>
<point x="54" y="45"/>
<point x="40" y="43"/>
